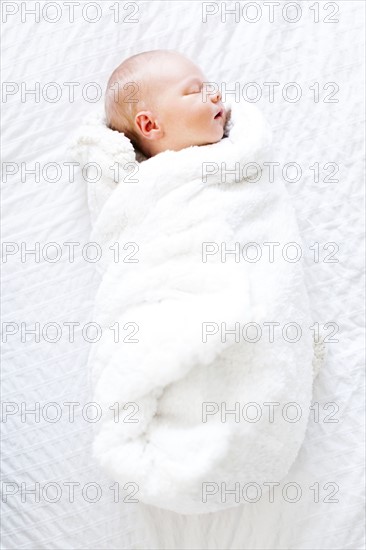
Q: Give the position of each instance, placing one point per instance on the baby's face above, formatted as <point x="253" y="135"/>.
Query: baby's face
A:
<point x="185" y="113"/>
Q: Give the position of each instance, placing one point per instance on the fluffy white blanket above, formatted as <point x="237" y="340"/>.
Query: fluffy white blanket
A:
<point x="173" y="372"/>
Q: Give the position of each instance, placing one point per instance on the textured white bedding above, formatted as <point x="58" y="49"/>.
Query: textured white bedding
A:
<point x="306" y="132"/>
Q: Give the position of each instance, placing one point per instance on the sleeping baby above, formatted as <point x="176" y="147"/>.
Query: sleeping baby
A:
<point x="212" y="369"/>
<point x="157" y="99"/>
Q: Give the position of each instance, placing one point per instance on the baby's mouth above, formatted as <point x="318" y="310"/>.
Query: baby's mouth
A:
<point x="219" y="114"/>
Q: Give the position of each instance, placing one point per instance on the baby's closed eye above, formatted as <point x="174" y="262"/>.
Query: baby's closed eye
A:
<point x="195" y="90"/>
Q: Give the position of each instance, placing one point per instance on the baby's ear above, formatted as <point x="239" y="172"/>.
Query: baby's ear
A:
<point x="147" y="125"/>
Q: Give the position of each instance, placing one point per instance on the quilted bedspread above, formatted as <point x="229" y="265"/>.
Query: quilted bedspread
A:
<point x="301" y="62"/>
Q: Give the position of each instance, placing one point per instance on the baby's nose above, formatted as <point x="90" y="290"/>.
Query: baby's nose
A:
<point x="216" y="96"/>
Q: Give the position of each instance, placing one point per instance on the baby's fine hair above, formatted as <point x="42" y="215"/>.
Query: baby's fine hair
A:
<point x="128" y="91"/>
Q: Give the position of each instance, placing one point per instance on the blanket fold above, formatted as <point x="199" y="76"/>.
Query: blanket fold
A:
<point x="186" y="238"/>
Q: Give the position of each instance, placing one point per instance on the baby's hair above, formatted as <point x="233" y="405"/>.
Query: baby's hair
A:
<point x="128" y="91"/>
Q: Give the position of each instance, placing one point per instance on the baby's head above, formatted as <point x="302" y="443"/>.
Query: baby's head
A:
<point x="157" y="100"/>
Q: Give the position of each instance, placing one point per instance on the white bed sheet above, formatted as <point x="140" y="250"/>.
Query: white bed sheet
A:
<point x="305" y="132"/>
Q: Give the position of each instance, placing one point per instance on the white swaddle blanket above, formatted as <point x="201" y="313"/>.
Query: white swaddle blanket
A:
<point x="172" y="293"/>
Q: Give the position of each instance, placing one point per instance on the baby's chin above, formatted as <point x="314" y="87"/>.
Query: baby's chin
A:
<point x="206" y="139"/>
<point x="213" y="135"/>
<point x="216" y="136"/>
